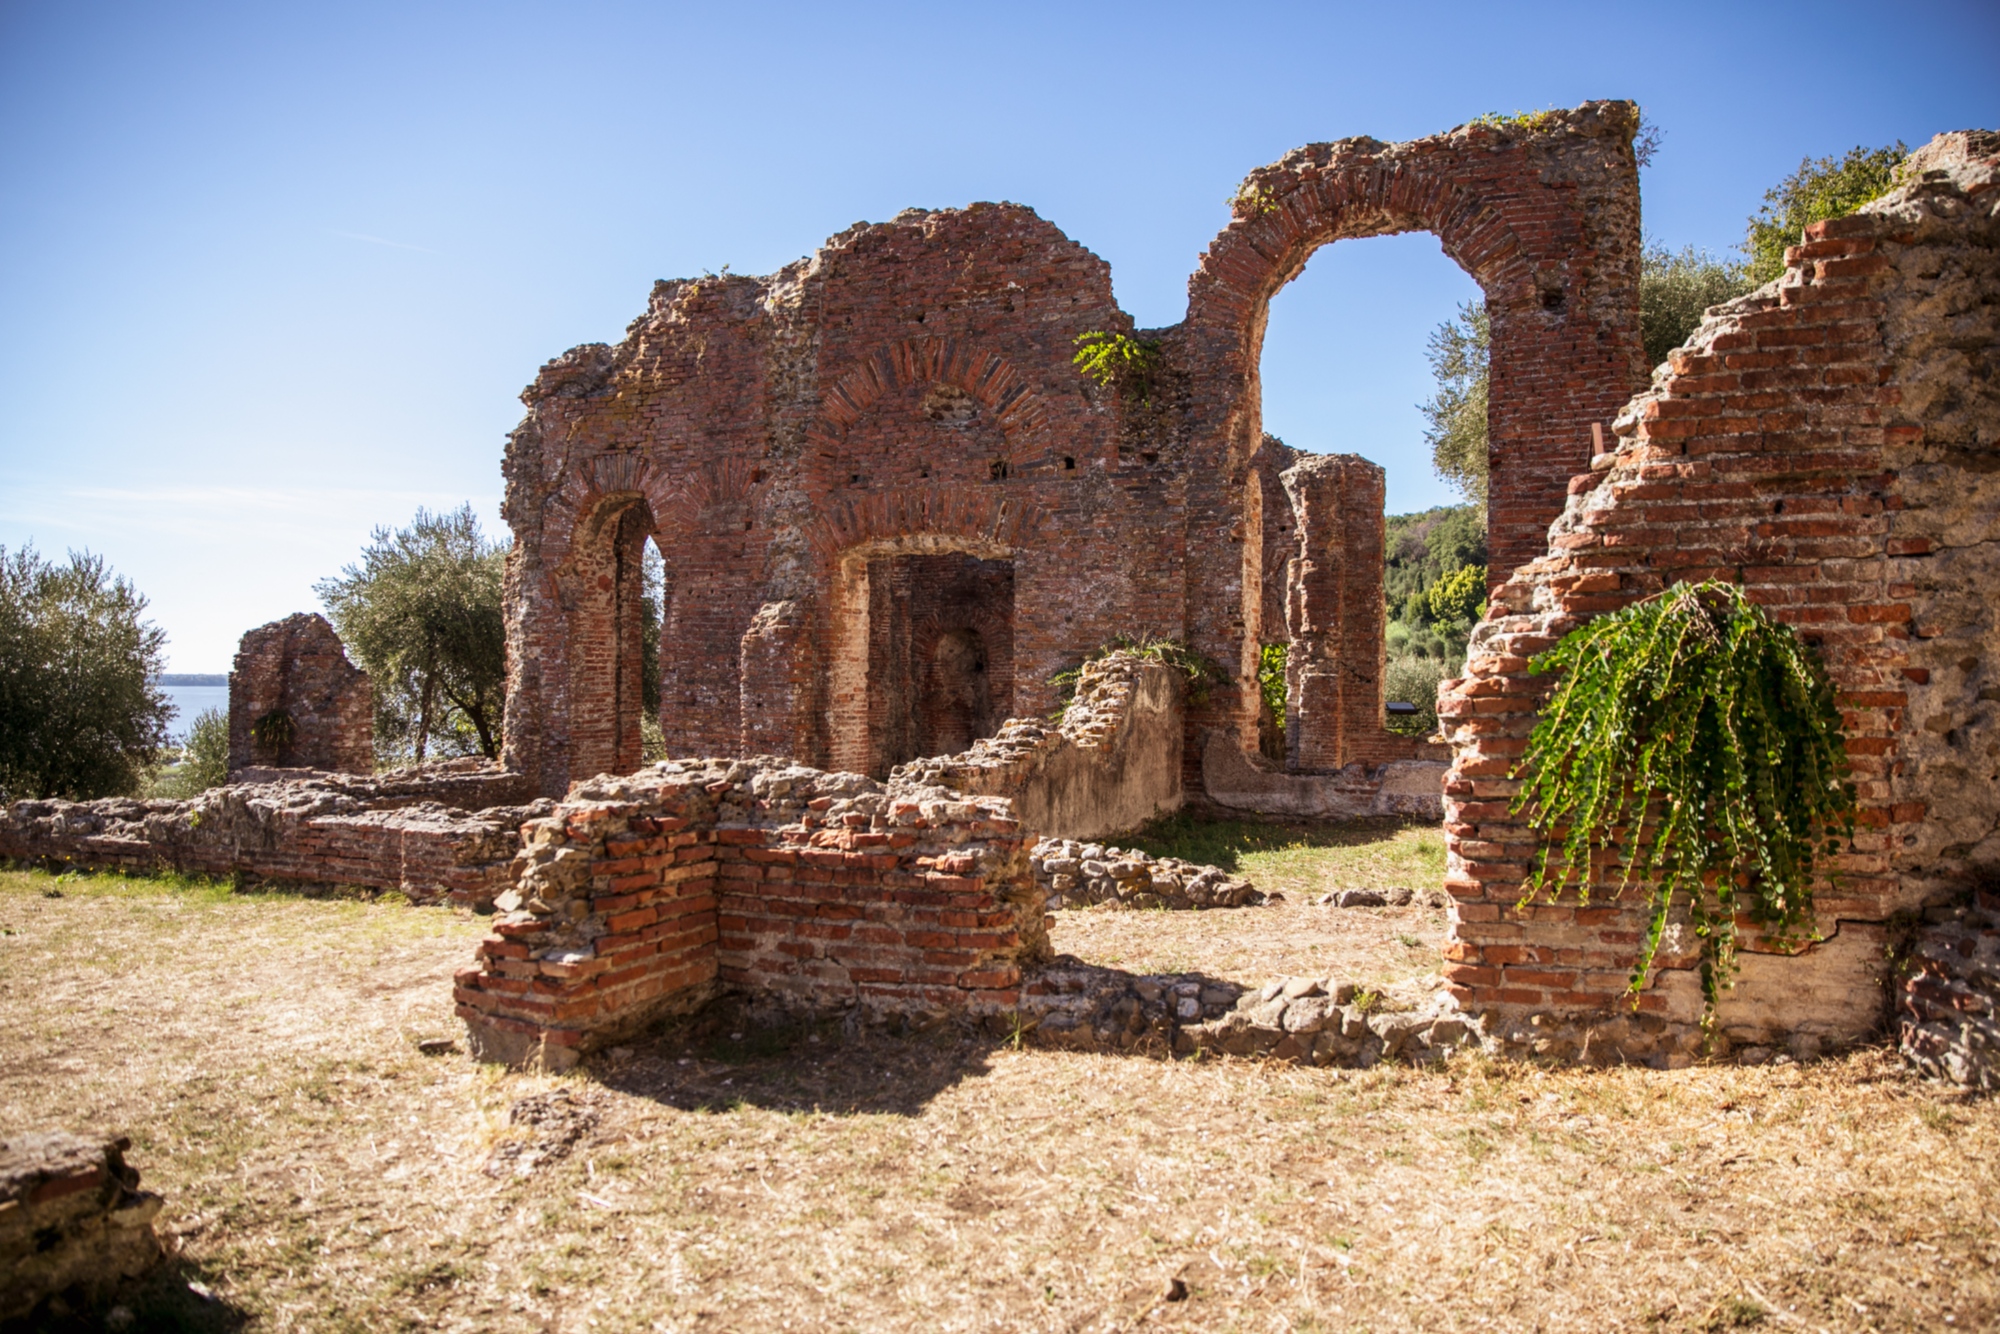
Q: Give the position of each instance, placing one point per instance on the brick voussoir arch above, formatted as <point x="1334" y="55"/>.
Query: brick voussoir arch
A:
<point x="994" y="382"/>
<point x="989" y="525"/>
<point x="681" y="503"/>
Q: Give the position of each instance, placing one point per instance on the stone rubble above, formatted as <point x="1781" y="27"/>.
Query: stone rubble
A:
<point x="1948" y="1010"/>
<point x="1400" y="897"/>
<point x="72" y="1220"/>
<point x="1077" y="875"/>
<point x="1075" y="1006"/>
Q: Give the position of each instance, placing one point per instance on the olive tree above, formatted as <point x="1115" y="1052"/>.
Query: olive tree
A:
<point x="422" y="613"/>
<point x="81" y="713"/>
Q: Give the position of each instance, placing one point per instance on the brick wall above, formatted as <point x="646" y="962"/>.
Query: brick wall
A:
<point x="643" y="896"/>
<point x="298" y="667"/>
<point x="324" y="831"/>
<point x="908" y="392"/>
<point x="1829" y="442"/>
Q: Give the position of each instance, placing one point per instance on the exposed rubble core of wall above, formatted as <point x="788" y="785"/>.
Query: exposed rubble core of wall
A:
<point x="892" y="508"/>
<point x="1948" y="1008"/>
<point x="1077" y="875"/>
<point x="407" y="831"/>
<point x="72" y="1219"/>
<point x="1111" y="763"/>
<point x="296" y="702"/>
<point x="1829" y="441"/>
<point x="645" y="895"/>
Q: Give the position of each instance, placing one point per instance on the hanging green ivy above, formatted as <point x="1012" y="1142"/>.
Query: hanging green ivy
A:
<point x="1696" y="739"/>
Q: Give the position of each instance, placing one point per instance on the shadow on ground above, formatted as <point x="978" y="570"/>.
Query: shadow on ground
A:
<point x="731" y="1054"/>
<point x="1223" y="842"/>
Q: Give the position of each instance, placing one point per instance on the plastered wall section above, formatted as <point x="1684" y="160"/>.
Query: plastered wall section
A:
<point x="1830" y="443"/>
<point x="1111" y="764"/>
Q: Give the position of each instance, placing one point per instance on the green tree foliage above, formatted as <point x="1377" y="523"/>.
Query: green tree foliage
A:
<point x="422" y="614"/>
<point x="1271" y="679"/>
<point x="1675" y="288"/>
<point x="1818" y="190"/>
<point x="1697" y="740"/>
<point x="1456" y="414"/>
<point x="80" y="713"/>
<point x="1459" y="597"/>
<point x="204" y="758"/>
<point x="1411" y="679"/>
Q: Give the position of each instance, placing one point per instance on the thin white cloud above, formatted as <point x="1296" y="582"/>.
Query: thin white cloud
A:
<point x="382" y="240"/>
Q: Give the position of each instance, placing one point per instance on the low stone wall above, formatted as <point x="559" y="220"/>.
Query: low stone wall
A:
<point x="1077" y="875"/>
<point x="72" y="1218"/>
<point x="645" y="896"/>
<point x="1948" y="1008"/>
<point x="1410" y="788"/>
<point x="314" y="832"/>
<point x="1111" y="764"/>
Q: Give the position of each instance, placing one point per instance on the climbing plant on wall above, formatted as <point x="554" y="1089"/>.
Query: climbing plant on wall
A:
<point x="1697" y="740"/>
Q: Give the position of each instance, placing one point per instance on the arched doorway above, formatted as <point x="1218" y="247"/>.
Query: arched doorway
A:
<point x="923" y="660"/>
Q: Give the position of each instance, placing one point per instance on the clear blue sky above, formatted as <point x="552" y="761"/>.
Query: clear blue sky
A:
<point x="271" y="275"/>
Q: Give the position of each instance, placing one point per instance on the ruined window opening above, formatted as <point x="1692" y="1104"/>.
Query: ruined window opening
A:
<point x="997" y="470"/>
<point x="1069" y="463"/>
<point x="614" y="665"/>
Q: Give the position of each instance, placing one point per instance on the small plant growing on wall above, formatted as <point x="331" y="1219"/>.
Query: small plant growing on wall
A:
<point x="1698" y="741"/>
<point x="274" y="733"/>
<point x="1199" y="672"/>
<point x="1117" y="360"/>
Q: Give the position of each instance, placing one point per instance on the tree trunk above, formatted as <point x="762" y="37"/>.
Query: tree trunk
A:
<point x="424" y="705"/>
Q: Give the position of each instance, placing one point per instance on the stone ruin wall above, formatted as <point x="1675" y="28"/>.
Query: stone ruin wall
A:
<point x="447" y="833"/>
<point x="298" y="668"/>
<point x="646" y="896"/>
<point x="1830" y="442"/>
<point x="907" y="395"/>
<point x="1112" y="763"/>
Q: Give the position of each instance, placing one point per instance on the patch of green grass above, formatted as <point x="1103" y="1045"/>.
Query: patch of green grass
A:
<point x="118" y="884"/>
<point x="1302" y="855"/>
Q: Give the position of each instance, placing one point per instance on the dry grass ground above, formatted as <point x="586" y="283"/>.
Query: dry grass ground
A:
<point x="321" y="1174"/>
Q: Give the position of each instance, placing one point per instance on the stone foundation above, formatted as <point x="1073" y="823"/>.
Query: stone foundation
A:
<point x="644" y="896"/>
<point x="324" y="831"/>
<point x="72" y="1220"/>
<point x="1948" y="1007"/>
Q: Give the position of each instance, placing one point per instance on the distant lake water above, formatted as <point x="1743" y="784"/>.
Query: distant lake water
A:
<point x="188" y="702"/>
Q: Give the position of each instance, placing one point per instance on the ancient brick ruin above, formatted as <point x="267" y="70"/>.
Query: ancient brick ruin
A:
<point x="1828" y="442"/>
<point x="296" y="702"/>
<point x="891" y="508"/>
<point x="73" y="1221"/>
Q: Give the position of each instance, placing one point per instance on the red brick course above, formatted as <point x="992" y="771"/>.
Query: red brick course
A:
<point x="1809" y="443"/>
<point x="644" y="896"/>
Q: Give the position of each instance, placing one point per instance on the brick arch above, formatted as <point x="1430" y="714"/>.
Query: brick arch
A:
<point x="1560" y="285"/>
<point x="700" y="520"/>
<point x="994" y="382"/>
<point x="1546" y="220"/>
<point x="989" y="523"/>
